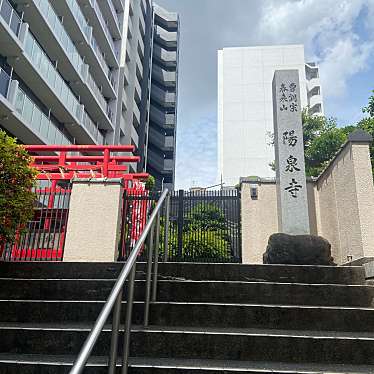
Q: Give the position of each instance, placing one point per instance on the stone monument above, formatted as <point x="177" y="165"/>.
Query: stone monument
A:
<point x="294" y="244"/>
<point x="293" y="217"/>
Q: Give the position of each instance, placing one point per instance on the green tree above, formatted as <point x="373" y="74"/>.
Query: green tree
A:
<point x="206" y="217"/>
<point x="16" y="181"/>
<point x="322" y="140"/>
<point x="150" y="183"/>
<point x="367" y="124"/>
<point x="370" y="108"/>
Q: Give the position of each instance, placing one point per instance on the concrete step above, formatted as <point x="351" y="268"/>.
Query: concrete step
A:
<point x="194" y="291"/>
<point x="192" y="271"/>
<point x="42" y="364"/>
<point x="214" y="344"/>
<point x="292" y="317"/>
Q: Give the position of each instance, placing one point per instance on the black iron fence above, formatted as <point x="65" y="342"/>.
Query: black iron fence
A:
<point x="199" y="226"/>
<point x="43" y="238"/>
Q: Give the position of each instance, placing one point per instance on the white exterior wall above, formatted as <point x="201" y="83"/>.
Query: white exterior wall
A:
<point x="245" y="110"/>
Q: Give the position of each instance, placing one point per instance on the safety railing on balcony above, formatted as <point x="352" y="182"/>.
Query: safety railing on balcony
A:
<point x="61" y="34"/>
<point x="49" y="72"/>
<point x="43" y="238"/>
<point x="79" y="17"/>
<point x="38" y="121"/>
<point x="85" y="27"/>
<point x="10" y="16"/>
<point x="93" y="129"/>
<point x="114" y="12"/>
<point x="4" y="82"/>
<point x="97" y="92"/>
<point x="151" y="233"/>
<point x="104" y="25"/>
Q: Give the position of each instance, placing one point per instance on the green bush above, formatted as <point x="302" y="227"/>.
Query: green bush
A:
<point x="16" y="181"/>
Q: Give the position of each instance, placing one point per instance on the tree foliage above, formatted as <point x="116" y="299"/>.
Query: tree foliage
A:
<point x="370" y="108"/>
<point x="203" y="234"/>
<point x="367" y="124"/>
<point x="322" y="140"/>
<point x="16" y="181"/>
<point x="206" y="217"/>
<point x="150" y="183"/>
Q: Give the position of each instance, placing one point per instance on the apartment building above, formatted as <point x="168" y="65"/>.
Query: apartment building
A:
<point x="78" y="72"/>
<point x="163" y="99"/>
<point x="245" y="109"/>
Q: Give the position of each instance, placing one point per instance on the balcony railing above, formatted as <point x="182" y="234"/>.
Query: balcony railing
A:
<point x="38" y="121"/>
<point x="10" y="16"/>
<point x="93" y="129"/>
<point x="81" y="19"/>
<point x="104" y="24"/>
<point x="62" y="36"/>
<point x="49" y="72"/>
<point x="97" y="92"/>
<point x="114" y="12"/>
<point x="4" y="83"/>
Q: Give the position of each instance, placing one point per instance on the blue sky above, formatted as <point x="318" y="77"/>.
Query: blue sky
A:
<point x="339" y="35"/>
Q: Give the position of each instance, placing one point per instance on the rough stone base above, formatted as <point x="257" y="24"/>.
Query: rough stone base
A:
<point x="298" y="250"/>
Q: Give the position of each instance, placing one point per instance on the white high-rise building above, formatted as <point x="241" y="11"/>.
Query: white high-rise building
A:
<point x="245" y="110"/>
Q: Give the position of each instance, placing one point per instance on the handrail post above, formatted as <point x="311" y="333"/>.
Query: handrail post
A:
<point x="149" y="276"/>
<point x="115" y="332"/>
<point x="167" y="221"/>
<point x="128" y="318"/>
<point x="155" y="271"/>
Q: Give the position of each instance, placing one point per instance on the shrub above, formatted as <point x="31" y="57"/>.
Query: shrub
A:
<point x="16" y="181"/>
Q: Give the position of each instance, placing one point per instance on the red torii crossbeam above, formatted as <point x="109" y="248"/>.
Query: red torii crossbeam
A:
<point x="97" y="162"/>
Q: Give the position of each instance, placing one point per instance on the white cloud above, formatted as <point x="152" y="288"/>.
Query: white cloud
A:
<point x="327" y="29"/>
<point x="341" y="62"/>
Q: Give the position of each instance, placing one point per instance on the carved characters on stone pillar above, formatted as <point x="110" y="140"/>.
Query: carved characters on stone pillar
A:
<point x="288" y="98"/>
<point x="292" y="164"/>
<point x="294" y="188"/>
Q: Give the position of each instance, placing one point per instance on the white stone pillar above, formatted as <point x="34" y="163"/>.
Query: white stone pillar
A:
<point x="94" y="221"/>
<point x="293" y="216"/>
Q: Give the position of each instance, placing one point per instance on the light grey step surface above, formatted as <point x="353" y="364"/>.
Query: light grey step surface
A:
<point x="292" y="317"/>
<point x="186" y="365"/>
<point x="192" y="271"/>
<point x="196" y="291"/>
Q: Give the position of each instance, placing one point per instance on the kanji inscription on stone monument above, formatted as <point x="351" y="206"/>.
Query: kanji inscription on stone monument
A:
<point x="293" y="216"/>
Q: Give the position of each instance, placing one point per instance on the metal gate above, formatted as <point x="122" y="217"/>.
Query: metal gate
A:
<point x="199" y="226"/>
<point x="205" y="226"/>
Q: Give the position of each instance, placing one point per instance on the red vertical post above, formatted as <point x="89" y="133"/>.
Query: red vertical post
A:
<point x="51" y="201"/>
<point x="106" y="162"/>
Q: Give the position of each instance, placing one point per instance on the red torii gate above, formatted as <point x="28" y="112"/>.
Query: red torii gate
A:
<point x="55" y="163"/>
<point x="100" y="165"/>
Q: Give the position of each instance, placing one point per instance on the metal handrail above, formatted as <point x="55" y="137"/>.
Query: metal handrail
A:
<point x="115" y="299"/>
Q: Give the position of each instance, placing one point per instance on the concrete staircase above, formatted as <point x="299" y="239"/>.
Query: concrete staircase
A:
<point x="209" y="318"/>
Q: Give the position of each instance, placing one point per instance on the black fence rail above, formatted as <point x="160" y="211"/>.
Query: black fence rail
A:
<point x="205" y="226"/>
<point x="43" y="238"/>
<point x="199" y="226"/>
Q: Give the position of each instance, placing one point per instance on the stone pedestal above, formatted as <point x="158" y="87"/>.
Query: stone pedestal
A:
<point x="94" y="221"/>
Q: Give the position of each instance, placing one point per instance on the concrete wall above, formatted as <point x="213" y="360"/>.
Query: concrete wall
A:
<point x="94" y="222"/>
<point x="260" y="217"/>
<point x="341" y="207"/>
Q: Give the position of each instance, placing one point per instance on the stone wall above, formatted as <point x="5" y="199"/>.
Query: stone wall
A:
<point x="341" y="207"/>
